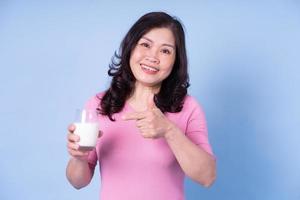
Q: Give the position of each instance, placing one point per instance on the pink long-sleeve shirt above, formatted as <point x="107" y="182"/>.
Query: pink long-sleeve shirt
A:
<point x="133" y="167"/>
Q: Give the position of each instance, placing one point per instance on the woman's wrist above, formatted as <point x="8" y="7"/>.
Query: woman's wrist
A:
<point x="80" y="159"/>
<point x="170" y="131"/>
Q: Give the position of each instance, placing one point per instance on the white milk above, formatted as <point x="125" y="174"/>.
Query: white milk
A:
<point x="88" y="133"/>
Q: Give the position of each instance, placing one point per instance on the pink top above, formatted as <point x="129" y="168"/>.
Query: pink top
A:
<point x="133" y="167"/>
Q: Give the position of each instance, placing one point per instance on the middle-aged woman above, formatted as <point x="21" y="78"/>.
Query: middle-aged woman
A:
<point x="153" y="132"/>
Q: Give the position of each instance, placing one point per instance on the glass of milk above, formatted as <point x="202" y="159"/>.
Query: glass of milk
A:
<point x="87" y="128"/>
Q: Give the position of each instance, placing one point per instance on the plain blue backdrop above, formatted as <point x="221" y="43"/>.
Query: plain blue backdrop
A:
<point x="244" y="69"/>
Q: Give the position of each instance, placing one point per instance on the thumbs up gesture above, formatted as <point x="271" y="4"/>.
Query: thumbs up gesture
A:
<point x="152" y="123"/>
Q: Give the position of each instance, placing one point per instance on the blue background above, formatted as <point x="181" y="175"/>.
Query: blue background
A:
<point x="244" y="69"/>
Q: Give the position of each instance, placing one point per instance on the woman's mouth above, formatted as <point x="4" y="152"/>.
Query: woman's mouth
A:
<point x="149" y="70"/>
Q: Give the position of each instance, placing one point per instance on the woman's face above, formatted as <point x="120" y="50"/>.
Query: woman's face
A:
<point x="152" y="59"/>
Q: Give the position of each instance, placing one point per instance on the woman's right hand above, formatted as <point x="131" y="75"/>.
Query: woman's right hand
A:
<point x="73" y="146"/>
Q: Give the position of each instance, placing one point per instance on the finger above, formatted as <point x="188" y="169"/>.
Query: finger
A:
<point x="71" y="128"/>
<point x="73" y="138"/>
<point x="134" y="116"/>
<point x="78" y="154"/>
<point x="141" y="123"/>
<point x="100" y="134"/>
<point x="149" y="133"/>
<point x="76" y="149"/>
<point x="145" y="132"/>
<point x="72" y="146"/>
<point x="151" y="104"/>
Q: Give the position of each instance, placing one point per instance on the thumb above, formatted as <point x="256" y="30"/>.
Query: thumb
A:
<point x="100" y="134"/>
<point x="151" y="103"/>
<point x="71" y="128"/>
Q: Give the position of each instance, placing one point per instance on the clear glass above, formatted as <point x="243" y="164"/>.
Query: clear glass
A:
<point x="87" y="128"/>
<point x="85" y="116"/>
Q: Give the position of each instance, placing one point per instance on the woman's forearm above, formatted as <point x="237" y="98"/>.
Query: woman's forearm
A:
<point x="79" y="173"/>
<point x="194" y="161"/>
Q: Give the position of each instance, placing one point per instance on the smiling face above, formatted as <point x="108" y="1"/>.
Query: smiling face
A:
<point x="152" y="59"/>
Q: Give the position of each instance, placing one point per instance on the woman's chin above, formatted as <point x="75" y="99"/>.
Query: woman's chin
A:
<point x="148" y="83"/>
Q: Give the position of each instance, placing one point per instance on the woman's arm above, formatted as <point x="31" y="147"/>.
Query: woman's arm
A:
<point x="78" y="171"/>
<point x="194" y="161"/>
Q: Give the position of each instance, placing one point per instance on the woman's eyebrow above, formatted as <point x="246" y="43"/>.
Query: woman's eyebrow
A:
<point x="169" y="45"/>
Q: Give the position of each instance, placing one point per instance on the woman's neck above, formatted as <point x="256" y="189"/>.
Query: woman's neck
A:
<point x="140" y="96"/>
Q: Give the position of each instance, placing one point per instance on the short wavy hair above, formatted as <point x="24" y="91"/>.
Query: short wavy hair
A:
<point x="173" y="90"/>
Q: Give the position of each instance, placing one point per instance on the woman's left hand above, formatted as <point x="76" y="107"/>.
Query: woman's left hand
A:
<point x="152" y="123"/>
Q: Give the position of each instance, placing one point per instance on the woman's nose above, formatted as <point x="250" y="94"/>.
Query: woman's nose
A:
<point x="152" y="59"/>
<point x="152" y="56"/>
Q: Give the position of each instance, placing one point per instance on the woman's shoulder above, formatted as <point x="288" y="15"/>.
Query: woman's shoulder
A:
<point x="93" y="101"/>
<point x="191" y="103"/>
<point x="191" y="109"/>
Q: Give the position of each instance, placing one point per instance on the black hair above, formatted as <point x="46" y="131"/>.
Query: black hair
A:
<point x="173" y="89"/>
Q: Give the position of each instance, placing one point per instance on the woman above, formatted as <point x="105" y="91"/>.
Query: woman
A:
<point x="153" y="132"/>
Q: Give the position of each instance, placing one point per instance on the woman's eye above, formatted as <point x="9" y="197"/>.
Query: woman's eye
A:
<point x="145" y="45"/>
<point x="166" y="51"/>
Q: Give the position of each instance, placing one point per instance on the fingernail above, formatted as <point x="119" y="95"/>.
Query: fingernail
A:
<point x="72" y="127"/>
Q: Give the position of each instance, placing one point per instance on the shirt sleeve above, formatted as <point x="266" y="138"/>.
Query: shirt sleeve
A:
<point x="196" y="129"/>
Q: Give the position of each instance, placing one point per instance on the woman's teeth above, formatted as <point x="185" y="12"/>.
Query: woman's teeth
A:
<point x="150" y="68"/>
